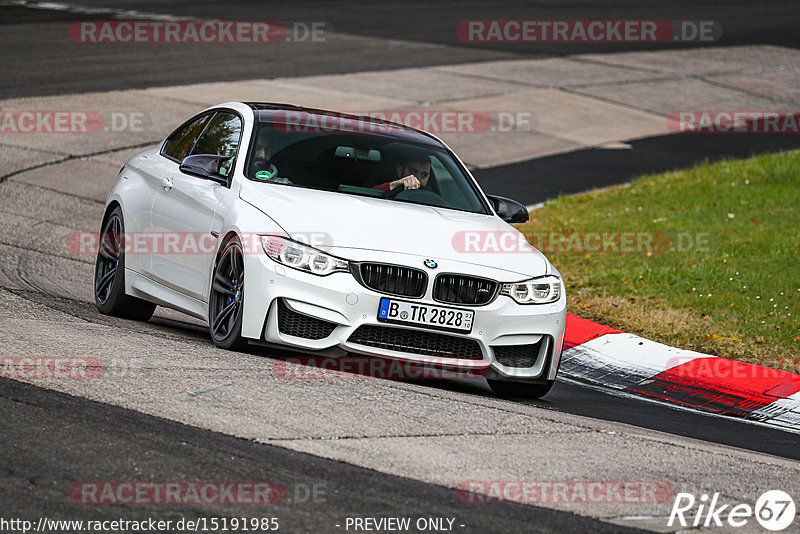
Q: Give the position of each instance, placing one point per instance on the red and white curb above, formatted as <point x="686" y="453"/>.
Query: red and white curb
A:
<point x="604" y="356"/>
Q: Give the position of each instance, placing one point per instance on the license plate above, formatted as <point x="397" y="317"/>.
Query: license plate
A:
<point x="438" y="317"/>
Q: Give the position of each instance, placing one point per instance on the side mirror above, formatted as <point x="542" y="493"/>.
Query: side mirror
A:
<point x="207" y="166"/>
<point x="509" y="210"/>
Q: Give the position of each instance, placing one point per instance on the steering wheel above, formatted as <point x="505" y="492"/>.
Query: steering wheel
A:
<point x="423" y="196"/>
<point x="394" y="192"/>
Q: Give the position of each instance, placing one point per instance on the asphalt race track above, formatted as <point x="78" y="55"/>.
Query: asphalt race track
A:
<point x="172" y="407"/>
<point x="71" y="430"/>
<point x="375" y="35"/>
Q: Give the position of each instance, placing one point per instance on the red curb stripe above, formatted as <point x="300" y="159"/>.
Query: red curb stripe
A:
<point x="719" y="385"/>
<point x="579" y="331"/>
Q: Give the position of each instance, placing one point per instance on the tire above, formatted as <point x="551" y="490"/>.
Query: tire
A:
<point x="225" y="301"/>
<point x="523" y="390"/>
<point x="109" y="274"/>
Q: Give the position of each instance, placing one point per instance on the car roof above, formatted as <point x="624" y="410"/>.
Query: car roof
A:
<point x="334" y="121"/>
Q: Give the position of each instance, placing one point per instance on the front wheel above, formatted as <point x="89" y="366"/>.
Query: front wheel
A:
<point x="109" y="274"/>
<point x="523" y="390"/>
<point x="227" y="296"/>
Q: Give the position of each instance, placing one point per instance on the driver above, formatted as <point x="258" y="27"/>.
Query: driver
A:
<point x="261" y="167"/>
<point x="413" y="172"/>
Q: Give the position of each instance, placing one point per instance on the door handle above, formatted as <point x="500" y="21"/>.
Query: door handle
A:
<point x="167" y="183"/>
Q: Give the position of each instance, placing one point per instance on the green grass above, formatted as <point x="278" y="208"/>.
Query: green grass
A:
<point x="734" y="293"/>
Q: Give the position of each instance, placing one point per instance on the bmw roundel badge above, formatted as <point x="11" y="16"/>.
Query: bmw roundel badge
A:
<point x="430" y="264"/>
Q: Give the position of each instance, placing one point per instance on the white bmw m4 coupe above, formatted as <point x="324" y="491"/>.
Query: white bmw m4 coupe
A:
<point x="331" y="234"/>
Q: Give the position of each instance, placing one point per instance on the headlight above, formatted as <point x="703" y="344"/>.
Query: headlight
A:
<point x="536" y="291"/>
<point x="301" y="257"/>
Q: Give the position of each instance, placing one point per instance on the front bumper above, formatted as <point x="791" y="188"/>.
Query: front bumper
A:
<point x="512" y="341"/>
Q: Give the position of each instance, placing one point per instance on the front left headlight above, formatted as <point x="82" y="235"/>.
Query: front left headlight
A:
<point x="301" y="257"/>
<point x="536" y="291"/>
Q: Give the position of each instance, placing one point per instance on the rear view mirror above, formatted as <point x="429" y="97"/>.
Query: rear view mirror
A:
<point x="509" y="210"/>
<point x="358" y="153"/>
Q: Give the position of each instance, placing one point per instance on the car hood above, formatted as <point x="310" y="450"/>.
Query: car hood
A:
<point x="335" y="221"/>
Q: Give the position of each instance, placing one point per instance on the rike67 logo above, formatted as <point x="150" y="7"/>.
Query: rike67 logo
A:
<point x="774" y="511"/>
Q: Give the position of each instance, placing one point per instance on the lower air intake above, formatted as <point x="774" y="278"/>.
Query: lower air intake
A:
<point x="522" y="356"/>
<point x="417" y="342"/>
<point x="296" y="324"/>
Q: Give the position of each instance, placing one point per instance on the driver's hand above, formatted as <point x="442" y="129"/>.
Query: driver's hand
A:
<point x="410" y="182"/>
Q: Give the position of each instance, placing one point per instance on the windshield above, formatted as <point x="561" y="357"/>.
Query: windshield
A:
<point x="359" y="163"/>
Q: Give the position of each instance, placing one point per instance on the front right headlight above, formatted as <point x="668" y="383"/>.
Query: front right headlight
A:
<point x="535" y="291"/>
<point x="301" y="257"/>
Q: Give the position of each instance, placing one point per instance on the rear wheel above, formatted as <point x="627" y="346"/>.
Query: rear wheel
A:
<point x="109" y="274"/>
<point x="502" y="388"/>
<point x="227" y="295"/>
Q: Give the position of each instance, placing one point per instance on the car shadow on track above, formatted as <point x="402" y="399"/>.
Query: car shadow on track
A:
<point x="308" y="364"/>
<point x="302" y="362"/>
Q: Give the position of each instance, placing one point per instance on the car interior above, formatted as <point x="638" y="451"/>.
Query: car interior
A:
<point x="355" y="164"/>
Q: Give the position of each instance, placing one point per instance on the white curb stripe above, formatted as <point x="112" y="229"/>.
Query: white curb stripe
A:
<point x="622" y="360"/>
<point x="782" y="412"/>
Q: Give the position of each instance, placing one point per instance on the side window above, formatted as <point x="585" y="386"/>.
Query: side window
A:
<point x="221" y="136"/>
<point x="182" y="140"/>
